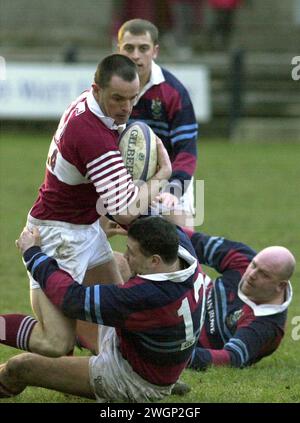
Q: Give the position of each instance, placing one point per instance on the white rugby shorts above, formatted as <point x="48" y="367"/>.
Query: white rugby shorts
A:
<point x="76" y="248"/>
<point x="113" y="379"/>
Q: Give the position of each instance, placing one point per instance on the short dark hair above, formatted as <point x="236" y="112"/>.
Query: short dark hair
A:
<point x="138" y="27"/>
<point x="115" y="64"/>
<point x="156" y="235"/>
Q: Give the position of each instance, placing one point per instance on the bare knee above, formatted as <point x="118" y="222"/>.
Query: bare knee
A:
<point x="52" y="343"/>
<point x="54" y="335"/>
<point x="56" y="346"/>
<point x="13" y="375"/>
<point x="17" y="368"/>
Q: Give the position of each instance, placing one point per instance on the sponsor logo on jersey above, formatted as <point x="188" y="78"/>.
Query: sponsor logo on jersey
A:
<point x="211" y="312"/>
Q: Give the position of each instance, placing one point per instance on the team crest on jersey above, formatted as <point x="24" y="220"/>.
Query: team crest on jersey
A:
<point x="156" y="108"/>
<point x="233" y="318"/>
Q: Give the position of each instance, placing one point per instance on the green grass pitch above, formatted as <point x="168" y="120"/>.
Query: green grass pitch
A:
<point x="252" y="194"/>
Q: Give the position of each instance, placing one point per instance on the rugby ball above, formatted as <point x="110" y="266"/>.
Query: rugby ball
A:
<point x="137" y="145"/>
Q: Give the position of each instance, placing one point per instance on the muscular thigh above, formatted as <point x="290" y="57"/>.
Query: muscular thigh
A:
<point x="107" y="273"/>
<point x="54" y="326"/>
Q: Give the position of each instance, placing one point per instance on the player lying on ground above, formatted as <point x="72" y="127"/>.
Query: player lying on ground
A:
<point x="246" y="307"/>
<point x="154" y="320"/>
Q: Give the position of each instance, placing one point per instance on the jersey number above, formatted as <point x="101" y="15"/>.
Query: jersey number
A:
<point x="51" y="161"/>
<point x="185" y="312"/>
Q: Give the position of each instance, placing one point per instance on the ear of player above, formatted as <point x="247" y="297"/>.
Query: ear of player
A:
<point x="137" y="145"/>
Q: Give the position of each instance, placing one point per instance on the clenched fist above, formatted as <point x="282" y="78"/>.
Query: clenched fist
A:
<point x="28" y="239"/>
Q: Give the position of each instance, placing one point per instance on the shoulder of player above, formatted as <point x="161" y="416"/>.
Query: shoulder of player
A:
<point x="86" y="129"/>
<point x="248" y="319"/>
<point x="86" y="121"/>
<point x="185" y="242"/>
<point x="173" y="81"/>
<point x="132" y="282"/>
<point x="148" y="284"/>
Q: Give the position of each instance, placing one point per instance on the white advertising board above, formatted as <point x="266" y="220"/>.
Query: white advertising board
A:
<point x="43" y="91"/>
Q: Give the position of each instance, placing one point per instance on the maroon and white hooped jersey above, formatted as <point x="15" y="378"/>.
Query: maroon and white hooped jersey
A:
<point x="84" y="165"/>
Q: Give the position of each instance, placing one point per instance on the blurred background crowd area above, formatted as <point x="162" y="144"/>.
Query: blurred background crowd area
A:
<point x="247" y="45"/>
<point x="187" y="27"/>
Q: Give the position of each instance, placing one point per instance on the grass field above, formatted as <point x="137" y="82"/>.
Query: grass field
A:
<point x="252" y="194"/>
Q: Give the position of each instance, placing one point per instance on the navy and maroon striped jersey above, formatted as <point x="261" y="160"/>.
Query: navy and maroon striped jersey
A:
<point x="236" y="331"/>
<point x="157" y="317"/>
<point x="84" y="164"/>
<point x="165" y="105"/>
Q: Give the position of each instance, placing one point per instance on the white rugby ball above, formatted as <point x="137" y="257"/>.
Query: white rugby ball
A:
<point x="137" y="145"/>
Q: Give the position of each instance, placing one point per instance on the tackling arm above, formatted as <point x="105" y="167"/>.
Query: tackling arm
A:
<point x="221" y="254"/>
<point x="248" y="345"/>
<point x="102" y="304"/>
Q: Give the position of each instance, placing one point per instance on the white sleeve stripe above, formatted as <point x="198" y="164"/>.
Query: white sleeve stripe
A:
<point x="120" y="199"/>
<point x="115" y="174"/>
<point x="119" y="188"/>
<point x="106" y="171"/>
<point x="113" y="181"/>
<point x="117" y="207"/>
<point x="99" y="169"/>
<point x="109" y="197"/>
<point x="103" y="157"/>
<point x="121" y="209"/>
<point x="105" y="165"/>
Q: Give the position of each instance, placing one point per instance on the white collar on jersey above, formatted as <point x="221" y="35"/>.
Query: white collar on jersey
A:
<point x="180" y="275"/>
<point x="267" y="309"/>
<point x="95" y="108"/>
<point x="156" y="78"/>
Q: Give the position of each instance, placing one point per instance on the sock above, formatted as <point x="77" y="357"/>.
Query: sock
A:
<point x="15" y="330"/>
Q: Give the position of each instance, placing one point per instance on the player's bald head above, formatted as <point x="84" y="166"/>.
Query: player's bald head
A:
<point x="281" y="259"/>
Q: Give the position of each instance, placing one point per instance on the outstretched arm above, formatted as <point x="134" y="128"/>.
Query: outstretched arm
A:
<point x="100" y="304"/>
<point x="248" y="345"/>
<point x="223" y="255"/>
<point x="109" y="305"/>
